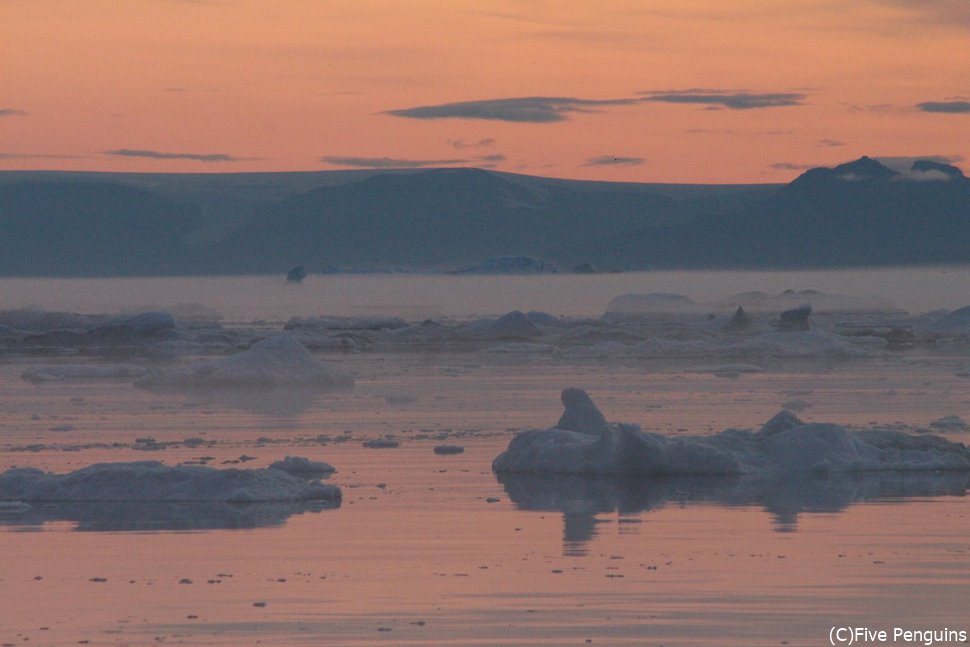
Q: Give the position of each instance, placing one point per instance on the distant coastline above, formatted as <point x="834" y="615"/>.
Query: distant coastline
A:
<point x="859" y="214"/>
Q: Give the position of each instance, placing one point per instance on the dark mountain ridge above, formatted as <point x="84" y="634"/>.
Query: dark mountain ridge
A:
<point x="103" y="224"/>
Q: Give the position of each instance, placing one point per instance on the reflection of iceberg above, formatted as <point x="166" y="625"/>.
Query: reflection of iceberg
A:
<point x="580" y="497"/>
<point x="584" y="443"/>
<point x="274" y="402"/>
<point x="149" y="495"/>
<point x="120" y="516"/>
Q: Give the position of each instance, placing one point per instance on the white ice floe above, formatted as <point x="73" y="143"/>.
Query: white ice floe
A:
<point x="151" y="481"/>
<point x="583" y="442"/>
<point x="272" y="362"/>
<point x="81" y="372"/>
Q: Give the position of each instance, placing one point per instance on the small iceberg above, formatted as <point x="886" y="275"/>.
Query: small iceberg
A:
<point x="583" y="442"/>
<point x="151" y="481"/>
<point x="279" y="361"/>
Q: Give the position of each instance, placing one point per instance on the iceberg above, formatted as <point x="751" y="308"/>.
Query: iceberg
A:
<point x="151" y="481"/>
<point x="273" y="362"/>
<point x="583" y="442"/>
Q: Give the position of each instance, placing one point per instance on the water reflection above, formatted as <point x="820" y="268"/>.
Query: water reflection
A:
<point x="140" y="516"/>
<point x="269" y="402"/>
<point x="582" y="498"/>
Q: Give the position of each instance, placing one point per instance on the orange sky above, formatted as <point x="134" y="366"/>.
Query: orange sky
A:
<point x="635" y="90"/>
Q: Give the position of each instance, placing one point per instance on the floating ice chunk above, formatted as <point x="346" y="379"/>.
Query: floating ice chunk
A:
<point x="654" y="302"/>
<point x="144" y="326"/>
<point x="823" y="302"/>
<point x="299" y="466"/>
<point x="276" y="361"/>
<point x="448" y="450"/>
<point x="509" y="265"/>
<point x="78" y="372"/>
<point x="739" y="321"/>
<point x="520" y="348"/>
<point x="581" y="414"/>
<point x="318" y="324"/>
<point x="151" y="481"/>
<point x="512" y="325"/>
<point x="13" y="507"/>
<point x="31" y="320"/>
<point x="952" y="323"/>
<point x="795" y="319"/>
<point x="584" y="443"/>
<point x="950" y="423"/>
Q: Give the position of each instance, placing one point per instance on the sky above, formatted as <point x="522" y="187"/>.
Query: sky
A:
<point x="685" y="91"/>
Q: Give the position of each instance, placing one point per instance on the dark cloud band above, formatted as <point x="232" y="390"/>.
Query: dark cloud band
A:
<point x="159" y="155"/>
<point x="390" y="162"/>
<point x="535" y="110"/>
<point x="11" y="112"/>
<point x="610" y="160"/>
<point x="732" y="101"/>
<point x="950" y="107"/>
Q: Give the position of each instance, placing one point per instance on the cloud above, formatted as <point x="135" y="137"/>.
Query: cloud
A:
<point x="788" y="166"/>
<point x="11" y="112"/>
<point x="950" y="107"/>
<point x="460" y="144"/>
<point x="390" y="162"/>
<point x="948" y="13"/>
<point x="535" y="110"/>
<point x="904" y="163"/>
<point x="729" y="100"/>
<point x="829" y="143"/>
<point x="158" y="155"/>
<point x="610" y="160"/>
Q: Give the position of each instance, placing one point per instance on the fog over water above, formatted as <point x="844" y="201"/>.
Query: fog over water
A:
<point x="414" y="296"/>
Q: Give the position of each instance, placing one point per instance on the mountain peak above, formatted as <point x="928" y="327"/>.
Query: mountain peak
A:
<point x="929" y="166"/>
<point x="864" y="168"/>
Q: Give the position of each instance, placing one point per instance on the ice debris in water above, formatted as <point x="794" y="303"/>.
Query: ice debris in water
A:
<point x="151" y="481"/>
<point x="81" y="372"/>
<point x="276" y="361"/>
<point x="583" y="442"/>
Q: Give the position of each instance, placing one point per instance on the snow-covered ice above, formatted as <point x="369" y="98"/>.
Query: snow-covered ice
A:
<point x="583" y="442"/>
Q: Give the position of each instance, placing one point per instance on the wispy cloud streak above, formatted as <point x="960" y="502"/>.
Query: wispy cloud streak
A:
<point x="534" y="110"/>
<point x="391" y="162"/>
<point x="610" y="160"/>
<point x="729" y="100"/>
<point x="160" y="155"/>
